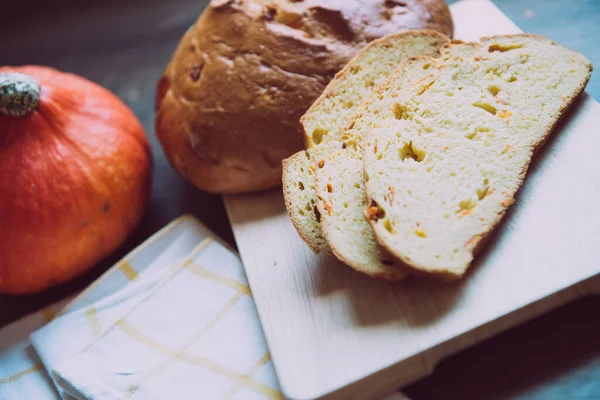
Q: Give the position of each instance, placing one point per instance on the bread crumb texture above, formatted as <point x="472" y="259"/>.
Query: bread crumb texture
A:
<point x="325" y="122"/>
<point x="343" y="224"/>
<point x="461" y="141"/>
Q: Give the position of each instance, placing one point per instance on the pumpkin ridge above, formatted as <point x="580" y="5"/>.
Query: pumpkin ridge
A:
<point x="56" y="102"/>
<point x="82" y="159"/>
<point x="130" y="133"/>
<point x="9" y="136"/>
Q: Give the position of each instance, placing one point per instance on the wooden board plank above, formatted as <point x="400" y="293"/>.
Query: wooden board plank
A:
<point x="334" y="333"/>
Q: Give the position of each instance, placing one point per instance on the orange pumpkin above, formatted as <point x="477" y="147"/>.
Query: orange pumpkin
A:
<point x="75" y="176"/>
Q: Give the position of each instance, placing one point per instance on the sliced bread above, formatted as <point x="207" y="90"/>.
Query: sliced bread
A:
<point x="324" y="123"/>
<point x="340" y="227"/>
<point x="442" y="177"/>
<point x="340" y="181"/>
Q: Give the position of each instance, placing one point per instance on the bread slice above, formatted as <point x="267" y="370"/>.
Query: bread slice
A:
<point x="342" y="227"/>
<point x="340" y="180"/>
<point x="443" y="176"/>
<point x="324" y="123"/>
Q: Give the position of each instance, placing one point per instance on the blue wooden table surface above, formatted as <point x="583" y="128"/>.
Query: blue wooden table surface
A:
<point x="124" y="45"/>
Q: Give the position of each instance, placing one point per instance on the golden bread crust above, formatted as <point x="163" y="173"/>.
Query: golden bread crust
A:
<point x="228" y="103"/>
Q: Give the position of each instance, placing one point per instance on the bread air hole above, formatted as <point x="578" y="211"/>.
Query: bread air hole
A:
<point x="317" y="135"/>
<point x="355" y="69"/>
<point x="467" y="204"/>
<point x="301" y="185"/>
<point x="503" y="47"/>
<point x="483" y="191"/>
<point x="421" y="233"/>
<point x="494" y="71"/>
<point x="400" y="111"/>
<point x="426" y="66"/>
<point x="494" y="90"/>
<point x="475" y="134"/>
<point x="317" y="213"/>
<point x="485" y="106"/>
<point x="497" y="72"/>
<point x="410" y="151"/>
<point x="425" y="88"/>
<point x="389" y="226"/>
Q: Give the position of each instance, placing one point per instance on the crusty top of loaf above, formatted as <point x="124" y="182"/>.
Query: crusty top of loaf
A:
<point x="229" y="102"/>
<point x="346" y="21"/>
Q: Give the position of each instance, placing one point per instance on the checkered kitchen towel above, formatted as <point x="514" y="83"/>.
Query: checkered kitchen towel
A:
<point x="136" y="334"/>
<point x="197" y="332"/>
<point x="116" y="292"/>
<point x="76" y="325"/>
<point x="22" y="375"/>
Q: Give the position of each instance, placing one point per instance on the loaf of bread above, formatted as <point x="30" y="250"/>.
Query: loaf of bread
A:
<point x="442" y="177"/>
<point x="228" y="103"/>
<point x="340" y="179"/>
<point x="324" y="123"/>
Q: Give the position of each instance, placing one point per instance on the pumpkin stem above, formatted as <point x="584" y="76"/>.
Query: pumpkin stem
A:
<point x="19" y="94"/>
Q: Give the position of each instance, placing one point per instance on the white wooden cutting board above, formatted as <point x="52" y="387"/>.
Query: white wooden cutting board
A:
<point x="334" y="333"/>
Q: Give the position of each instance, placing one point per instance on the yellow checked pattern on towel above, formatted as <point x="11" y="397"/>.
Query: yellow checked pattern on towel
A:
<point x="117" y="291"/>
<point x="224" y="352"/>
<point x="75" y="326"/>
<point x="207" y="338"/>
<point x="22" y="375"/>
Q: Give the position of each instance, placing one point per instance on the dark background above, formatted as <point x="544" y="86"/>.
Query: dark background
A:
<point x="124" y="45"/>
